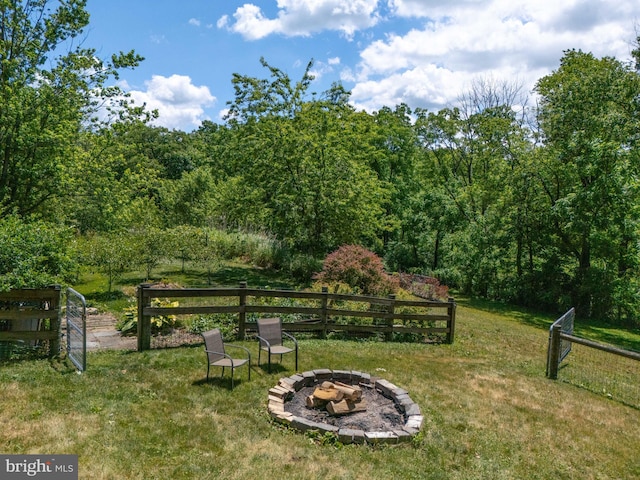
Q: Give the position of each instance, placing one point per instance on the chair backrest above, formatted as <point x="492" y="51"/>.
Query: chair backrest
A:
<point x="213" y="343"/>
<point x="271" y="330"/>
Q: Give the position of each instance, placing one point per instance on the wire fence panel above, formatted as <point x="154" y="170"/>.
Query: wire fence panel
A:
<point x="76" y="316"/>
<point x="602" y="372"/>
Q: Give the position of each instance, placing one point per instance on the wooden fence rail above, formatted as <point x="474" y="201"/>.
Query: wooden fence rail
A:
<point x="31" y="316"/>
<point x="388" y="315"/>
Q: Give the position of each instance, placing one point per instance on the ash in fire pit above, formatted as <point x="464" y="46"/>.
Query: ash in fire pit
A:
<point x="365" y="410"/>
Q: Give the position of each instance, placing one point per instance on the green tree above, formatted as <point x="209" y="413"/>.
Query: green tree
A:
<point x="393" y="160"/>
<point x="110" y="253"/>
<point x="589" y="115"/>
<point x="304" y="162"/>
<point x="468" y="169"/>
<point x="47" y="98"/>
<point x="34" y="254"/>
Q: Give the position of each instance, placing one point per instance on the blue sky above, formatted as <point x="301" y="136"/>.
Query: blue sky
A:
<point x="425" y="53"/>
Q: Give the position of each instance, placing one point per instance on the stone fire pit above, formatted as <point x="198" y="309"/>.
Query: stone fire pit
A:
<point x="391" y="416"/>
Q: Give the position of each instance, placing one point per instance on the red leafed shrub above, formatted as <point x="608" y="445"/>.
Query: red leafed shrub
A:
<point x="359" y="268"/>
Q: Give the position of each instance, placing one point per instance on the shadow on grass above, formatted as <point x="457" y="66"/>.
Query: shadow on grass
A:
<point x="275" y="368"/>
<point x="105" y="296"/>
<point x="221" y="382"/>
<point x="528" y="317"/>
<point x="628" y="339"/>
<point x="622" y="337"/>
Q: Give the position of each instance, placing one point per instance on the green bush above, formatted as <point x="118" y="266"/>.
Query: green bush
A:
<point x="160" y="324"/>
<point x="302" y="267"/>
<point x="226" y="322"/>
<point x="35" y="254"/>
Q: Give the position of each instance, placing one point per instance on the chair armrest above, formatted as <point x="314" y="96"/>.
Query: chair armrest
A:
<point x="264" y="340"/>
<point x="239" y="346"/>
<point x="219" y="353"/>
<point x="291" y="337"/>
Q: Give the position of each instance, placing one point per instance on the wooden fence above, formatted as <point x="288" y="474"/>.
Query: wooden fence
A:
<point x="600" y="368"/>
<point x="321" y="312"/>
<point x="31" y="317"/>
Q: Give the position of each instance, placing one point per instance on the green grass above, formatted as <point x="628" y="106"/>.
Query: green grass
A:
<point x="489" y="411"/>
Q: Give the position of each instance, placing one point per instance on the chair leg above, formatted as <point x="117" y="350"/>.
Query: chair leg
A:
<point x="232" y="369"/>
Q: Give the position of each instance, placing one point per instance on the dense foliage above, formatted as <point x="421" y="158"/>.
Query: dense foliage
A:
<point x="35" y="254"/>
<point x="536" y="206"/>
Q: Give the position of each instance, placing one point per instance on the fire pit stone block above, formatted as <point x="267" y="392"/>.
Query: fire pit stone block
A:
<point x="360" y="377"/>
<point x="309" y="378"/>
<point x="414" y="421"/>
<point x="282" y="417"/>
<point x="287" y="384"/>
<point x="412" y="410"/>
<point x="280" y="392"/>
<point x="343" y="376"/>
<point x="398" y="392"/>
<point x="294" y="382"/>
<point x="381" y="437"/>
<point x="323" y="374"/>
<point x="346" y="435"/>
<point x="303" y="425"/>
<point x="403" y="435"/>
<point x="385" y="387"/>
<point x="402" y="400"/>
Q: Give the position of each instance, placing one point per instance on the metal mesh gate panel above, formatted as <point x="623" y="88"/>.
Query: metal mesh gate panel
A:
<point x="77" y="329"/>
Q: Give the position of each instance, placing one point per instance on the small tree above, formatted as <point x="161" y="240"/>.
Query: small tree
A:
<point x="112" y="254"/>
<point x="359" y="268"/>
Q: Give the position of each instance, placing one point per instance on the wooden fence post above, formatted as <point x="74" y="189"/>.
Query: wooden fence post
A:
<point x="242" y="314"/>
<point x="553" y="354"/>
<point x="451" y="311"/>
<point x="54" y="346"/>
<point x="144" y="322"/>
<point x="389" y="322"/>
<point x="323" y="314"/>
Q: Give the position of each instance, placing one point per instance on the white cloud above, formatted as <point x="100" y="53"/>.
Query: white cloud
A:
<point x="321" y="69"/>
<point x="510" y="40"/>
<point x="194" y="21"/>
<point x="223" y="21"/>
<point x="304" y="17"/>
<point x="180" y="104"/>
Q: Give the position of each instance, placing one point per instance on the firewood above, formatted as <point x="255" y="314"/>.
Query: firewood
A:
<point x="328" y="395"/>
<point x="314" y="402"/>
<point x="350" y="392"/>
<point x="345" y="406"/>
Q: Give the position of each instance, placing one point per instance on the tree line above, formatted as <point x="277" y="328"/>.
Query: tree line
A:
<point x="533" y="201"/>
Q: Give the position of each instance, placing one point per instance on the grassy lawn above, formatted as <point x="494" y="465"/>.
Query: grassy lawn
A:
<point x="489" y="413"/>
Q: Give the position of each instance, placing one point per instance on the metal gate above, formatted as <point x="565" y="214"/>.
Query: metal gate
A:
<point x="77" y="329"/>
<point x="559" y="348"/>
